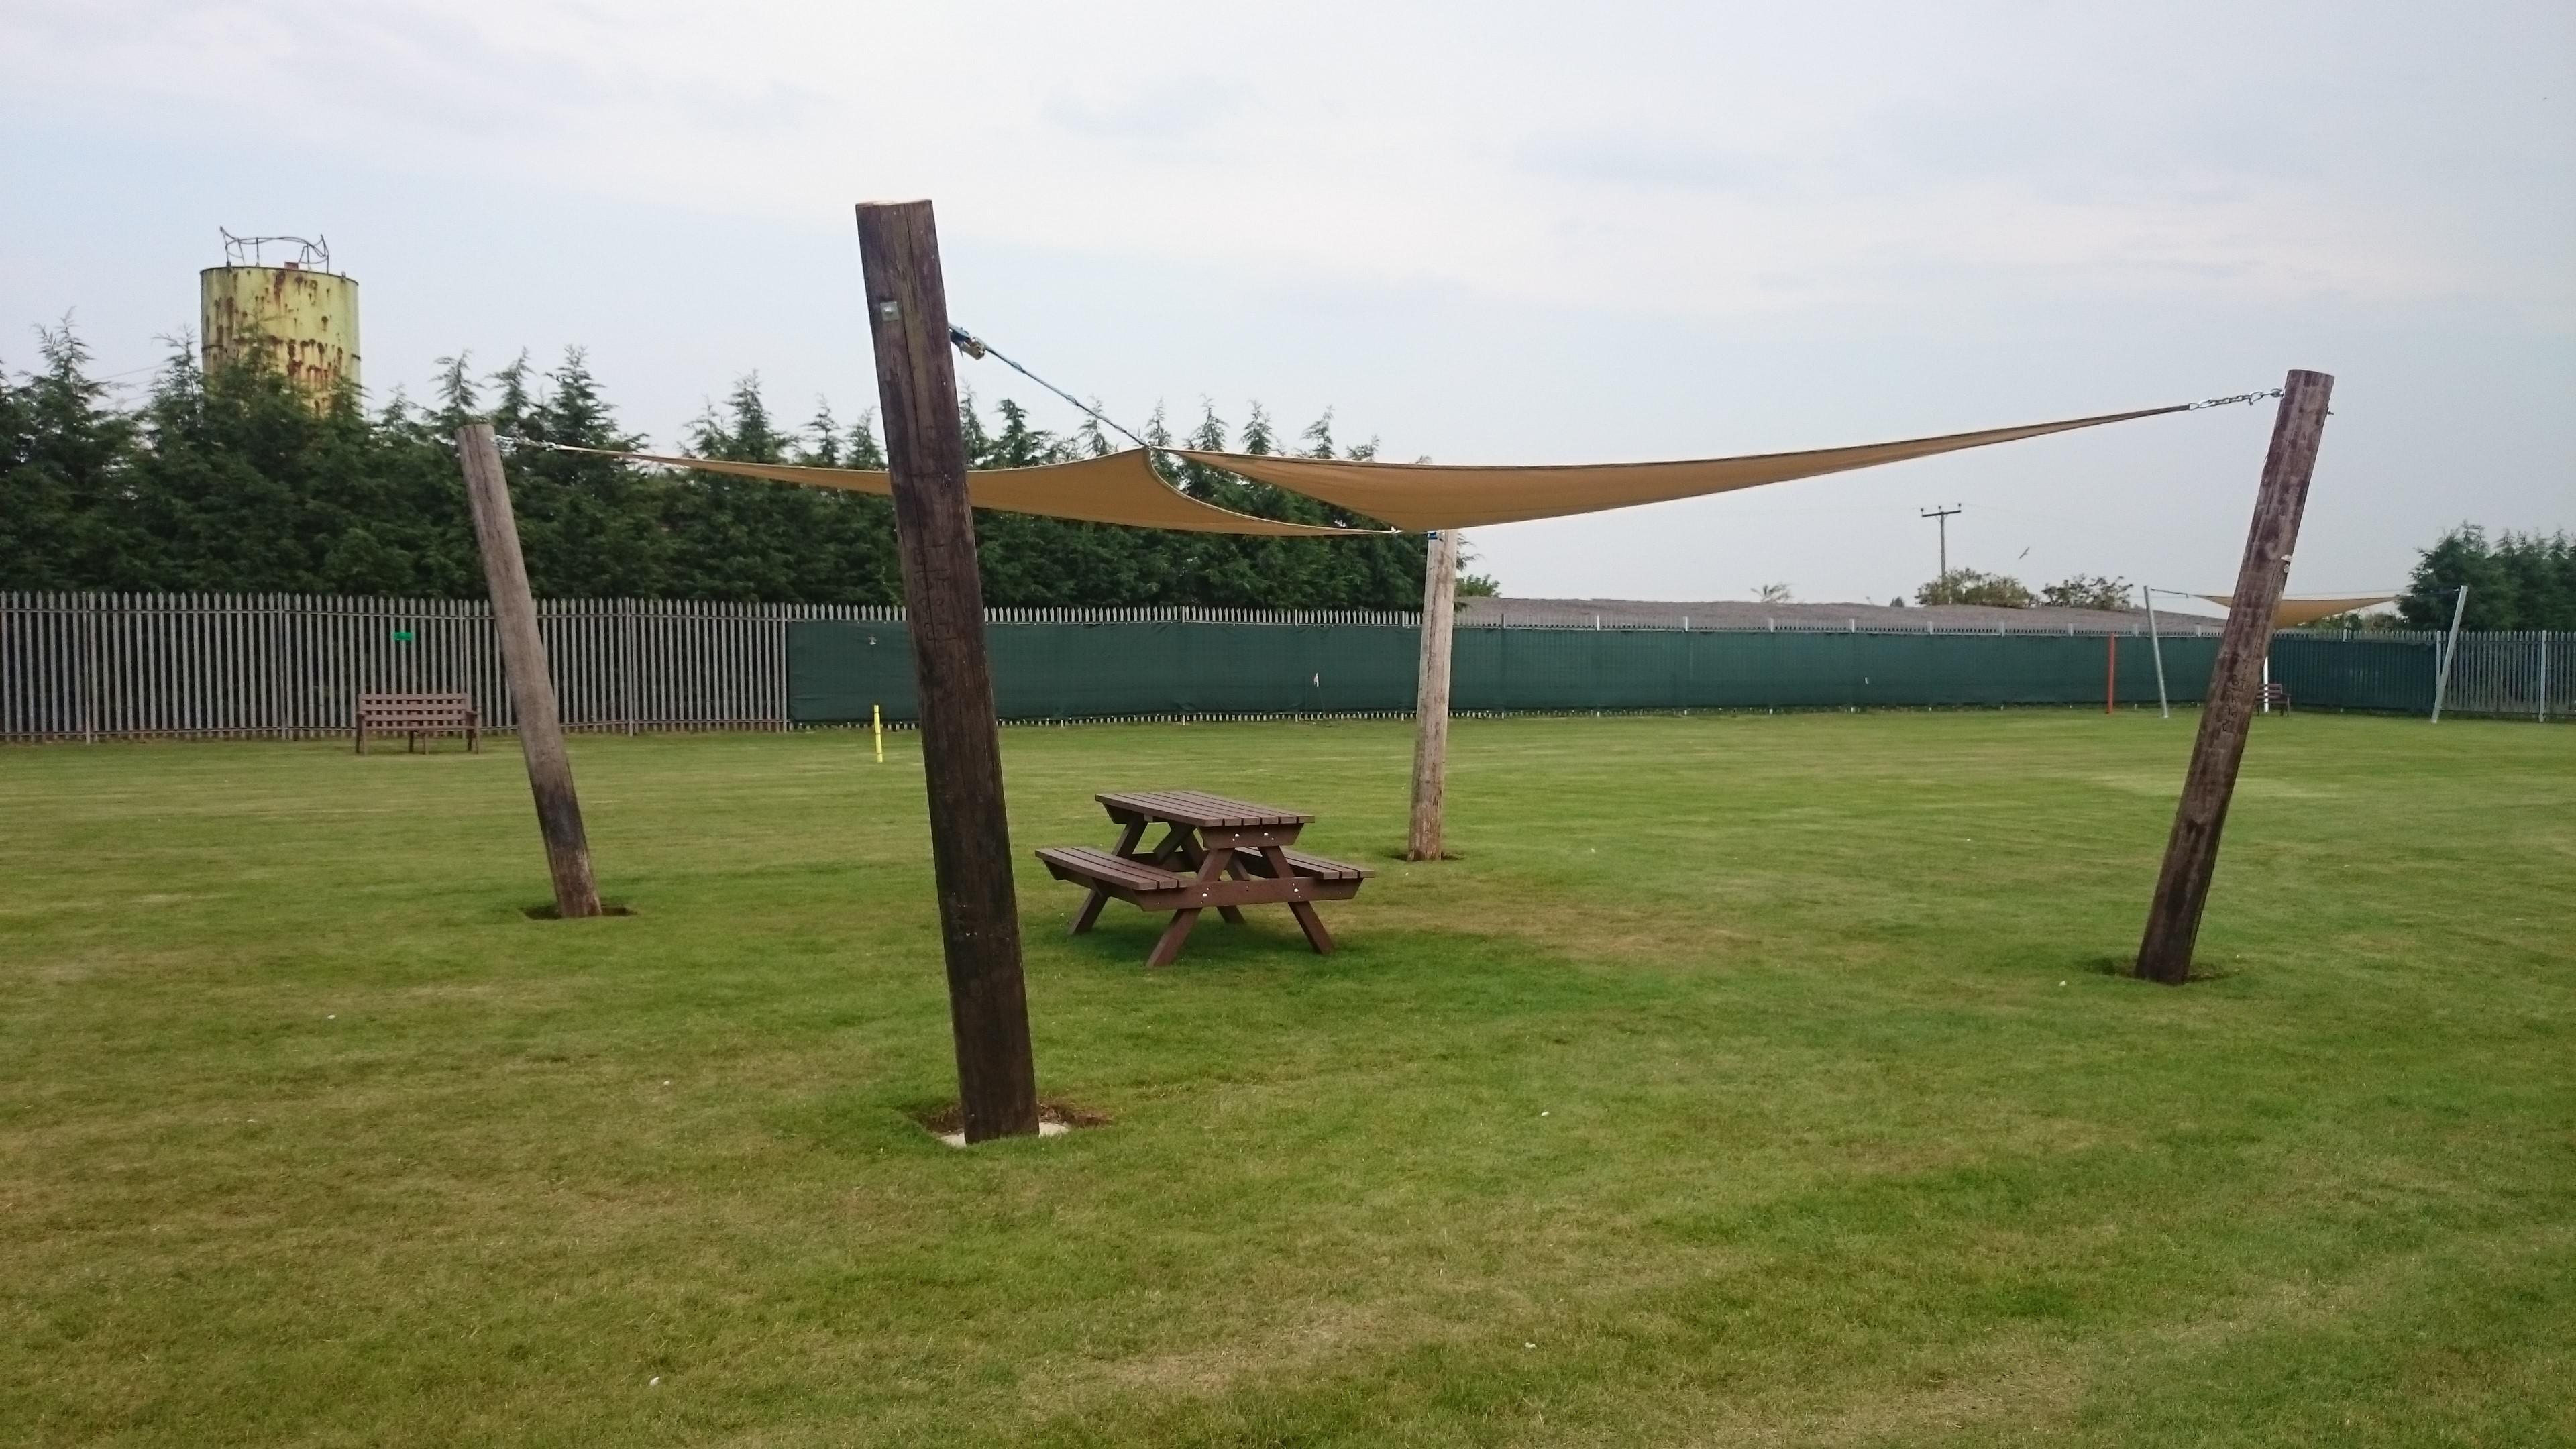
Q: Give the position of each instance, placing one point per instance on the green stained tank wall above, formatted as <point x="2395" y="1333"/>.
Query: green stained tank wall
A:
<point x="303" y="323"/>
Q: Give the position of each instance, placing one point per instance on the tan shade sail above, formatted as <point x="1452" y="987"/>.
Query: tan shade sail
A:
<point x="1120" y="488"/>
<point x="1418" y="497"/>
<point x="2294" y="612"/>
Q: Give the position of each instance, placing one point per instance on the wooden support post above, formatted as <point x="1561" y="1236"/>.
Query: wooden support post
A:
<point x="961" y="744"/>
<point x="1431" y="697"/>
<point x="2191" y="854"/>
<point x="2111" y="690"/>
<point x="523" y="661"/>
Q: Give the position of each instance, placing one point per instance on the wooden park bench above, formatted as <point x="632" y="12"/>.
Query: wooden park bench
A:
<point x="2276" y="699"/>
<point x="414" y="715"/>
<point x="1215" y="853"/>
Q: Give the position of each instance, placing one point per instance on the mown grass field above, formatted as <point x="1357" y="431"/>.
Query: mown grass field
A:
<point x="1750" y="1080"/>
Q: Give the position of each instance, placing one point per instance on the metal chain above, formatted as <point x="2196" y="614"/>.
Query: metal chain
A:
<point x="976" y="347"/>
<point x="2248" y="398"/>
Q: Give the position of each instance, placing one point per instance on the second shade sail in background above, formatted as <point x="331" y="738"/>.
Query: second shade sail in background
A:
<point x="1418" y="497"/>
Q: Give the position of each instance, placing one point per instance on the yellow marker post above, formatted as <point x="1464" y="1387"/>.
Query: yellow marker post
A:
<point x="876" y="726"/>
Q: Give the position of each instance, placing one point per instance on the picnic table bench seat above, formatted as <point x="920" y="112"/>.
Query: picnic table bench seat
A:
<point x="1218" y="854"/>
<point x="1314" y="867"/>
<point x="1090" y="864"/>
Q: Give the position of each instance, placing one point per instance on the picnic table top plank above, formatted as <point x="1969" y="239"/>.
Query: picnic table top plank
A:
<point x="1200" y="809"/>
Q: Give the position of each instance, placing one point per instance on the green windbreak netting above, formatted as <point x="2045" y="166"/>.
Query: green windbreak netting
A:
<point x="1551" y="669"/>
<point x="1089" y="671"/>
<point x="2323" y="672"/>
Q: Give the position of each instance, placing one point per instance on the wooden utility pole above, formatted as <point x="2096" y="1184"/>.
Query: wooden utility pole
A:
<point x="1944" y="515"/>
<point x="1431" y="697"/>
<point x="2191" y="855"/>
<point x="961" y="742"/>
<point x="523" y="660"/>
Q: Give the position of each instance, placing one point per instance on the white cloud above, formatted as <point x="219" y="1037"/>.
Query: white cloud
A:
<point x="1485" y="230"/>
<point x="1631" y="155"/>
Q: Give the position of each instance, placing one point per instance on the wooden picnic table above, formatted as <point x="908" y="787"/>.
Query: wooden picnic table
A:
<point x="1215" y="852"/>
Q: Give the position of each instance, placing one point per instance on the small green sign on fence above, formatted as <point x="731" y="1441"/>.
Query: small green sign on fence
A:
<point x="402" y="636"/>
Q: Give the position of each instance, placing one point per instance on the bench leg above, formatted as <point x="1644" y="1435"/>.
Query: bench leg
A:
<point x="1313" y="926"/>
<point x="1233" y="868"/>
<point x="1198" y="859"/>
<point x="1307" y="921"/>
<point x="1090" y="914"/>
<point x="1167" y="947"/>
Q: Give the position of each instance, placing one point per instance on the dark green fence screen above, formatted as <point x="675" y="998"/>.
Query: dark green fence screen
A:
<point x="1090" y="671"/>
<point x="2386" y="674"/>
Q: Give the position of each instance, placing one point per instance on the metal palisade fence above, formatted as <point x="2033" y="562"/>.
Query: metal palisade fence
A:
<point x="288" y="666"/>
<point x="107" y="666"/>
<point x="2508" y="674"/>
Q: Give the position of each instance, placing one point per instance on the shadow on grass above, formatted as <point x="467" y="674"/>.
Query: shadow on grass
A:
<point x="548" y="911"/>
<point x="940" y="1116"/>
<point x="2126" y="969"/>
<point x="1122" y="945"/>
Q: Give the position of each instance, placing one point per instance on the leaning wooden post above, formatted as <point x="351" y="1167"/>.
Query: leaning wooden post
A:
<point x="1431" y="696"/>
<point x="961" y="743"/>
<point x="2191" y="855"/>
<point x="523" y="660"/>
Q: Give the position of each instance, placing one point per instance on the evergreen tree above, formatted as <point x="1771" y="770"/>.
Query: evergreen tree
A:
<point x="2520" y="581"/>
<point x="235" y="481"/>
<point x="67" y="508"/>
<point x="591" y="527"/>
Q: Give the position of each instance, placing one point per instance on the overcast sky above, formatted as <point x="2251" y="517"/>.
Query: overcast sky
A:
<point x="1480" y="232"/>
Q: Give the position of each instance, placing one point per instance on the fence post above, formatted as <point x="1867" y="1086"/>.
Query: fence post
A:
<point x="523" y="659"/>
<point x="961" y="746"/>
<point x="2156" y="646"/>
<point x="2544" y="676"/>
<point x="89" y="673"/>
<point x="2450" y="648"/>
<point x="2191" y="853"/>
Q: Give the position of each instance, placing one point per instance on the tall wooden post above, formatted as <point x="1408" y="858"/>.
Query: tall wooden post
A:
<point x="523" y="660"/>
<point x="1431" y="697"/>
<point x="2191" y="855"/>
<point x="961" y="743"/>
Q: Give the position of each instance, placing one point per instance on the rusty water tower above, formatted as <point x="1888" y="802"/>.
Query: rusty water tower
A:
<point x="298" y="316"/>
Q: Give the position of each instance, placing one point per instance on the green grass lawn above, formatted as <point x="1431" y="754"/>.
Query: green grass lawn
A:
<point x="1749" y="1080"/>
